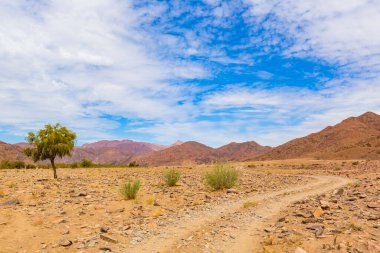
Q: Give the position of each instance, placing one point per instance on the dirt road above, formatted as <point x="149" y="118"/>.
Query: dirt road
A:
<point x="234" y="226"/>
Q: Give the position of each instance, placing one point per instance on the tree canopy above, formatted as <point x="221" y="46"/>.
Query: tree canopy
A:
<point x="50" y="142"/>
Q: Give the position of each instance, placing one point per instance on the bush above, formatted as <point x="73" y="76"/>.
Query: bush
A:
<point x="171" y="177"/>
<point x="129" y="189"/>
<point x="30" y="166"/>
<point x="74" y="165"/>
<point x="221" y="177"/>
<point x="86" y="163"/>
<point x="133" y="164"/>
<point x="12" y="164"/>
<point x="43" y="166"/>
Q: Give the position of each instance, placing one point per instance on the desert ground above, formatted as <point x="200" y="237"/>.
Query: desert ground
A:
<point x="277" y="206"/>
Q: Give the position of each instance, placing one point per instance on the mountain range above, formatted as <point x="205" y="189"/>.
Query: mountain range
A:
<point x="353" y="138"/>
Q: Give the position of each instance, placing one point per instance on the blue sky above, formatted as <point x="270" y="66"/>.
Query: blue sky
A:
<point x="211" y="71"/>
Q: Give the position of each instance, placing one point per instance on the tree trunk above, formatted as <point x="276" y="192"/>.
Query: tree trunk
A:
<point x="54" y="169"/>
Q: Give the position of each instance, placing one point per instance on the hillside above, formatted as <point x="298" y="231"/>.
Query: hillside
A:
<point x="194" y="152"/>
<point x="241" y="151"/>
<point x="11" y="152"/>
<point x="353" y="138"/>
<point x="111" y="152"/>
<point x="190" y="151"/>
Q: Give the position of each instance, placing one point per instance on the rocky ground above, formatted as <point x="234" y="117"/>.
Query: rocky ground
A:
<point x="278" y="205"/>
<point x="84" y="212"/>
<point x="344" y="220"/>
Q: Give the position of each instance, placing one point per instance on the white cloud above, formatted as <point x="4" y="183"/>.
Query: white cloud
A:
<point x="345" y="33"/>
<point x="75" y="62"/>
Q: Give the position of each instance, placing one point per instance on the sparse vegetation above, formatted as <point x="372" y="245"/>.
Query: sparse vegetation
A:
<point x="223" y="176"/>
<point x="149" y="200"/>
<point x="129" y="189"/>
<point x="171" y="177"/>
<point x="157" y="212"/>
<point x="11" y="184"/>
<point x="250" y="204"/>
<point x="12" y="164"/>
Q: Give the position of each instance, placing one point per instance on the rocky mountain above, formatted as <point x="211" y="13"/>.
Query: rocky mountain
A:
<point x="11" y="152"/>
<point x="241" y="151"/>
<point x="190" y="151"/>
<point x="111" y="152"/>
<point x="353" y="138"/>
<point x="195" y="152"/>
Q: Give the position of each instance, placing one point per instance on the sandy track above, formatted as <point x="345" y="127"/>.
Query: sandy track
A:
<point x="244" y="227"/>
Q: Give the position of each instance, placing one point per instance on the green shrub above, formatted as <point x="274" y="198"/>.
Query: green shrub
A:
<point x="133" y="164"/>
<point x="6" y="164"/>
<point x="86" y="163"/>
<point x="129" y="189"/>
<point x="221" y="177"/>
<point x="74" y="165"/>
<point x="43" y="166"/>
<point x="30" y="166"/>
<point x="171" y="177"/>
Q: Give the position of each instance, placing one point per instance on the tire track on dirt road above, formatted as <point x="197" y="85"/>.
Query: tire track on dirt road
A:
<point x="244" y="228"/>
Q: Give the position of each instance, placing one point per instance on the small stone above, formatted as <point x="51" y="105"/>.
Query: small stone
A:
<point x="234" y="191"/>
<point x="155" y="203"/>
<point x="318" y="212"/>
<point x="339" y="192"/>
<point x="65" y="243"/>
<point x="300" y="250"/>
<point x="10" y="202"/>
<point x="108" y="238"/>
<point x="324" y="204"/>
<point x="105" y="249"/>
<point x="104" y="229"/>
<point x="373" y="205"/>
<point x="66" y="232"/>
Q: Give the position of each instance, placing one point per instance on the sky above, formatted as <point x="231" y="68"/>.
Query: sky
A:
<point x="211" y="71"/>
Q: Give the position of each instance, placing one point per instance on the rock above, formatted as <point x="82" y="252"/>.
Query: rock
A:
<point x="10" y="202"/>
<point x="105" y="249"/>
<point x="268" y="229"/>
<point x="66" y="232"/>
<point x="339" y="192"/>
<point x="104" y="229"/>
<point x="155" y="203"/>
<point x="373" y="205"/>
<point x="318" y="212"/>
<point x="300" y="250"/>
<point x="324" y="204"/>
<point x="65" y="243"/>
<point x="234" y="191"/>
<point x="82" y="194"/>
<point x="108" y="238"/>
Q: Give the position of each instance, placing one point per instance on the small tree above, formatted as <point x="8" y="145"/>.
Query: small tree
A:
<point x="50" y="142"/>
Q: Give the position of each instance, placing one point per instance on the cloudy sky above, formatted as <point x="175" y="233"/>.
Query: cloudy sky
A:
<point x="211" y="71"/>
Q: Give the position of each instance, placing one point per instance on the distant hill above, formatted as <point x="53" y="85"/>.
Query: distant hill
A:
<point x="11" y="152"/>
<point x="190" y="151"/>
<point x="195" y="152"/>
<point x="353" y="138"/>
<point x="103" y="152"/>
<point x="111" y="152"/>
